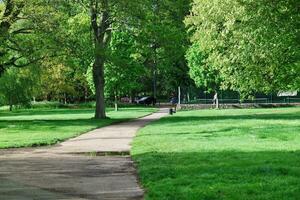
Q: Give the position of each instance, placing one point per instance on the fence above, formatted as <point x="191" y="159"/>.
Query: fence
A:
<point x="285" y="100"/>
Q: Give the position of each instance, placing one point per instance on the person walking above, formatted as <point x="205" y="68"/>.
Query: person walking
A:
<point x="174" y="102"/>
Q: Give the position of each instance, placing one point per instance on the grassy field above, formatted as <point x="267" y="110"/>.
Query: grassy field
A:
<point x="221" y="154"/>
<point x="36" y="127"/>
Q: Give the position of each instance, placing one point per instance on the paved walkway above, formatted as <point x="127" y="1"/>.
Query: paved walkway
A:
<point x="68" y="171"/>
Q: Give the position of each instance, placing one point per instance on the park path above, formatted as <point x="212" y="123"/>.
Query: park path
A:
<point x="76" y="169"/>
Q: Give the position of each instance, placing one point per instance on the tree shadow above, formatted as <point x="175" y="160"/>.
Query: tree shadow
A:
<point x="37" y="133"/>
<point x="220" y="175"/>
<point x="186" y="118"/>
<point x="56" y="124"/>
<point x="33" y="112"/>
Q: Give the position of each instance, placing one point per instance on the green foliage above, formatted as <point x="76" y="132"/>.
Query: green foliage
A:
<point x="90" y="80"/>
<point x="129" y="57"/>
<point x="252" y="43"/>
<point x="149" y="41"/>
<point x="203" y="73"/>
<point x="27" y="32"/>
<point x="163" y="42"/>
<point x="221" y="154"/>
<point x="17" y="87"/>
<point x="245" y="46"/>
<point x="57" y="80"/>
<point x="1" y="8"/>
<point x="124" y="70"/>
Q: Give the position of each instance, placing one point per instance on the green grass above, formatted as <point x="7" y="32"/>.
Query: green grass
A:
<point x="36" y="127"/>
<point x="221" y="154"/>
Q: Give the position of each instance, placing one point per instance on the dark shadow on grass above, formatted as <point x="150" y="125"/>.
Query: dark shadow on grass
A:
<point x="54" y="126"/>
<point x="270" y="175"/>
<point x="32" y="112"/>
<point x="272" y="116"/>
<point x="203" y="133"/>
<point x="69" y="122"/>
<point x="32" y="124"/>
<point x="164" y="121"/>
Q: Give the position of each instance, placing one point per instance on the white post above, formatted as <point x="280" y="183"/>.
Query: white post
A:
<point x="179" y="98"/>
<point x="116" y="101"/>
<point x="116" y="104"/>
<point x="216" y="98"/>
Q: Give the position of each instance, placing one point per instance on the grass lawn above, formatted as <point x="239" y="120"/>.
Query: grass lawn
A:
<point x="36" y="127"/>
<point x="221" y="154"/>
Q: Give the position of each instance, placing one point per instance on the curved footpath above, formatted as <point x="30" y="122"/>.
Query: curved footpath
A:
<point x="76" y="169"/>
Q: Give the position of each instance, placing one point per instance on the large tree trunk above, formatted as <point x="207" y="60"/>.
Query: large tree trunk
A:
<point x="100" y="21"/>
<point x="98" y="75"/>
<point x="10" y="105"/>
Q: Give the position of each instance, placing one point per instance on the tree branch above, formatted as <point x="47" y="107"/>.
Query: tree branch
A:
<point x="22" y="31"/>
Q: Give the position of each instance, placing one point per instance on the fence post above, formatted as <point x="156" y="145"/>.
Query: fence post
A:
<point x="179" y="98"/>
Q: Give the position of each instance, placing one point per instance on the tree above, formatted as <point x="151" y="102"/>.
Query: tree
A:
<point x="28" y="32"/>
<point x="252" y="43"/>
<point x="106" y="16"/>
<point x="124" y="69"/>
<point x="9" y="15"/>
<point x="34" y="36"/>
<point x="202" y="72"/>
<point x="17" y="87"/>
<point x="75" y="32"/>
<point x="56" y="81"/>
<point x="101" y="23"/>
<point x="163" y="42"/>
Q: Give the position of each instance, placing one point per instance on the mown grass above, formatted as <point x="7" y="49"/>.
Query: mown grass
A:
<point x="36" y="127"/>
<point x="221" y="154"/>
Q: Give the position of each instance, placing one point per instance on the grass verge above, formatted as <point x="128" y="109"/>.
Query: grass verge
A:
<point x="221" y="154"/>
<point x="37" y="127"/>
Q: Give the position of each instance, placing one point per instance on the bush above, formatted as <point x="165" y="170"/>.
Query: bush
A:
<point x="16" y="88"/>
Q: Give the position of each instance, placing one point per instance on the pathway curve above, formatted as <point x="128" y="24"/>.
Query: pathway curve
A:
<point x="69" y="171"/>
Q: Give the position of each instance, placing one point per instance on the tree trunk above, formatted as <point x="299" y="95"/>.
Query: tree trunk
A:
<point x="10" y="105"/>
<point x="154" y="81"/>
<point x="65" y="98"/>
<point x="98" y="75"/>
<point x="85" y="94"/>
<point x="100" y="21"/>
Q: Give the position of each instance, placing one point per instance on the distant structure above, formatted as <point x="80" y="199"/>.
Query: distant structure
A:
<point x="287" y="93"/>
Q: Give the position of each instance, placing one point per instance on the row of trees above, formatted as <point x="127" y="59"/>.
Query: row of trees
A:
<point x="138" y="45"/>
<point x="110" y="48"/>
<point x="245" y="46"/>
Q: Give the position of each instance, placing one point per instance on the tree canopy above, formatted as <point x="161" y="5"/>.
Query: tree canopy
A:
<point x="108" y="49"/>
<point x="253" y="44"/>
